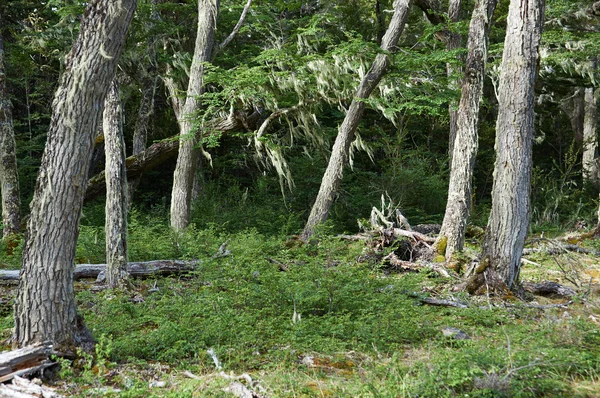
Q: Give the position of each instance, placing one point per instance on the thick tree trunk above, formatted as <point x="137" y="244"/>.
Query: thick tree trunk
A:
<point x="590" y="139"/>
<point x="339" y="153"/>
<point x="9" y="176"/>
<point x="509" y="218"/>
<point x="45" y="304"/>
<point x="116" y="189"/>
<point x="452" y="234"/>
<point x="185" y="170"/>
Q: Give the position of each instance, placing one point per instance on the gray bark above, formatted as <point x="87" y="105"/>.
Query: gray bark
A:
<point x="133" y="269"/>
<point x="574" y="107"/>
<point x="187" y="160"/>
<point x="453" y="42"/>
<point x="465" y="150"/>
<point x="509" y="218"/>
<point x="9" y="176"/>
<point x="116" y="189"/>
<point x="339" y="154"/>
<point x="45" y="305"/>
<point x="590" y="139"/>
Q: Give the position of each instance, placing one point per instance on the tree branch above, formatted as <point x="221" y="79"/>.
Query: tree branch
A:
<point x="237" y="27"/>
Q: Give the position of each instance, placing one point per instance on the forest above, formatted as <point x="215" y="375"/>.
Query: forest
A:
<point x="299" y="198"/>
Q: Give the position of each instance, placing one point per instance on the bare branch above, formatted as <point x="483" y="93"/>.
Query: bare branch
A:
<point x="237" y="27"/>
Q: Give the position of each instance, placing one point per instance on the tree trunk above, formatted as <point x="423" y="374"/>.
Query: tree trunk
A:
<point x="452" y="234"/>
<point x="45" y="304"/>
<point x="9" y="176"/>
<point x="453" y="42"/>
<point x="590" y="139"/>
<point x="185" y="170"/>
<point x="116" y="189"/>
<point x="149" y="81"/>
<point x="574" y="107"/>
<point x="339" y="153"/>
<point x="509" y="218"/>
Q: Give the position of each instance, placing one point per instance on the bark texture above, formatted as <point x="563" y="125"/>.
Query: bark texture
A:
<point x="452" y="43"/>
<point x="187" y="160"/>
<point x="45" y="306"/>
<point x="339" y="153"/>
<point x="590" y="139"/>
<point x="9" y="176"/>
<point x="452" y="234"/>
<point x="116" y="189"/>
<point x="509" y="218"/>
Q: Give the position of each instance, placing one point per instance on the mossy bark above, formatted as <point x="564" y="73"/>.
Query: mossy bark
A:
<point x="187" y="160"/>
<point x="45" y="304"/>
<point x="509" y="217"/>
<point x="116" y="190"/>
<point x="9" y="176"/>
<point x="339" y="154"/>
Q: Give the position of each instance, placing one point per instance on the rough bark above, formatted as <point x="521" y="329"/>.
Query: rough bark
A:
<point x="509" y="218"/>
<point x="590" y="139"/>
<point x="9" y="176"/>
<point x="187" y="160"/>
<point x="22" y="360"/>
<point x="45" y="305"/>
<point x="116" y="189"/>
<point x="134" y="269"/>
<point x="574" y="108"/>
<point x="339" y="153"/>
<point x="452" y="234"/>
<point x="453" y="42"/>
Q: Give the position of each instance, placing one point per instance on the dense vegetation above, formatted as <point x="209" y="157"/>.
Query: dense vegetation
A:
<point x="331" y="317"/>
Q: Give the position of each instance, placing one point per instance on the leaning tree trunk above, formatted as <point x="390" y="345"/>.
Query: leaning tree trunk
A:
<point x="9" y="176"/>
<point x="452" y="233"/>
<point x="590" y="139"/>
<point x="187" y="160"/>
<point x="339" y="153"/>
<point x="45" y="304"/>
<point x="116" y="190"/>
<point x="509" y="218"/>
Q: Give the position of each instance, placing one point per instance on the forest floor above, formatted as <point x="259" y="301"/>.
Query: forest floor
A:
<point x="279" y="319"/>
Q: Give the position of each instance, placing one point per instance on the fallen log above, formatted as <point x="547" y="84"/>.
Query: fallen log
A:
<point x="561" y="249"/>
<point x="136" y="165"/>
<point x="549" y="289"/>
<point x="134" y="269"/>
<point x="24" y="361"/>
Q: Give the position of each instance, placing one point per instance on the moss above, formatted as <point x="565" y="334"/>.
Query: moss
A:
<point x="441" y="245"/>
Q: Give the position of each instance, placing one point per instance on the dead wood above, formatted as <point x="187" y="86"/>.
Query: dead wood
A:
<point x="134" y="269"/>
<point x="23" y="388"/>
<point x="444" y="303"/>
<point x="136" y="165"/>
<point x="548" y="289"/>
<point x="24" y="361"/>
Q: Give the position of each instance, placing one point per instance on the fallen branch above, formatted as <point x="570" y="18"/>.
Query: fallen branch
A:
<point x="444" y="303"/>
<point x="134" y="269"/>
<point x="23" y="388"/>
<point x="560" y="249"/>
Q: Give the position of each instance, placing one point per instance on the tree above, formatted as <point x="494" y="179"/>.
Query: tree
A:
<point x="509" y="218"/>
<point x="45" y="305"/>
<point x="187" y="159"/>
<point x="452" y="233"/>
<point x="590" y="138"/>
<point x="339" y="154"/>
<point x="116" y="189"/>
<point x="9" y="176"/>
